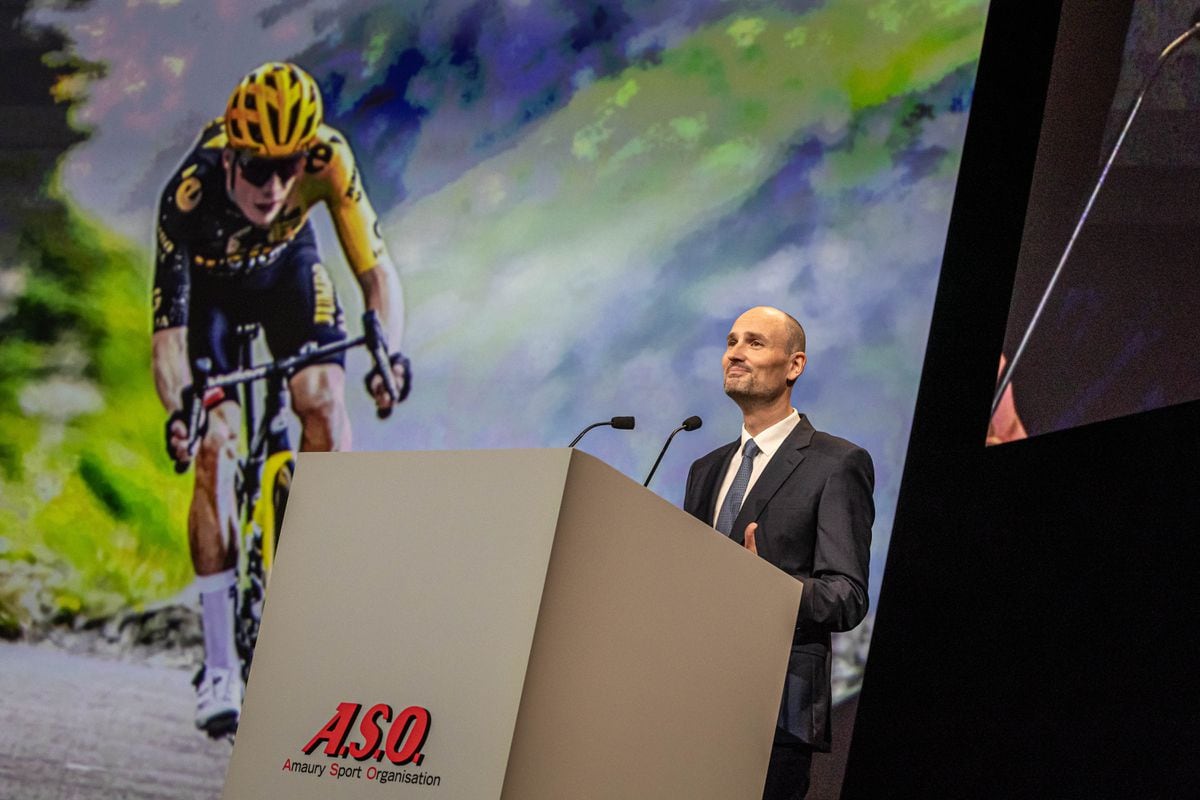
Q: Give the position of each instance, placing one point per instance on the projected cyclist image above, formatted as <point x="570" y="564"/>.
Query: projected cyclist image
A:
<point x="235" y="248"/>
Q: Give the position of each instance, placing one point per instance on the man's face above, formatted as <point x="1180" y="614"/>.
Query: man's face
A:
<point x="259" y="187"/>
<point x="757" y="362"/>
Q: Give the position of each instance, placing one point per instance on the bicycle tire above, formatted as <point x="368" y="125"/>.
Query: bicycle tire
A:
<point x="279" y="494"/>
<point x="259" y="537"/>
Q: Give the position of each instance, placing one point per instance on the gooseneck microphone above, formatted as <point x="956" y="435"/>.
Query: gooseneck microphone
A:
<point x="689" y="424"/>
<point x="620" y="423"/>
<point x="1163" y="57"/>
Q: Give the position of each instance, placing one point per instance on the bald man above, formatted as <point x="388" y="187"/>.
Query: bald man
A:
<point x="801" y="499"/>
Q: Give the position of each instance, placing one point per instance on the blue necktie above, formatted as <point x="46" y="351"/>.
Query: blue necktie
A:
<point x="737" y="489"/>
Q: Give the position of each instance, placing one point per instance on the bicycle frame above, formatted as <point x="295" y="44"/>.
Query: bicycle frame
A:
<point x="268" y="451"/>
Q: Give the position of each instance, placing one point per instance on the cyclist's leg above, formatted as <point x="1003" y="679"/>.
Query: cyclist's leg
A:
<point x="212" y="522"/>
<point x="305" y="308"/>
<point x="319" y="400"/>
<point x="212" y="536"/>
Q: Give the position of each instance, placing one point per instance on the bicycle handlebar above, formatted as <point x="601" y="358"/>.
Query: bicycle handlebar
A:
<point x="203" y="382"/>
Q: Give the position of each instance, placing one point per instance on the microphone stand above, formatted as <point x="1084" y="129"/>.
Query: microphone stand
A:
<point x="620" y="423"/>
<point x="575" y="441"/>
<point x="689" y="424"/>
<point x="1163" y="57"/>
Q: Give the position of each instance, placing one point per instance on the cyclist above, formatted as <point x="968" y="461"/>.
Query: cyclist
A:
<point x="235" y="246"/>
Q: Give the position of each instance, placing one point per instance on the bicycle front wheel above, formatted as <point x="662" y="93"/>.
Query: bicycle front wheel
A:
<point x="277" y="482"/>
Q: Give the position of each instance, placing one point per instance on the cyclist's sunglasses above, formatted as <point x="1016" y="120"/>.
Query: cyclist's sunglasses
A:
<point x="257" y="171"/>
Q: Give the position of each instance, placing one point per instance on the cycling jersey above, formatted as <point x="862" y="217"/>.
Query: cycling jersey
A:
<point x="292" y="299"/>
<point x="201" y="232"/>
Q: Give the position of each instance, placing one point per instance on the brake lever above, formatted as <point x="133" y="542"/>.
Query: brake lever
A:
<point x="376" y="343"/>
<point x="193" y="402"/>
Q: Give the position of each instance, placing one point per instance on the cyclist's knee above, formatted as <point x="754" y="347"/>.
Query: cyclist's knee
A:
<point x="321" y="420"/>
<point x="318" y="399"/>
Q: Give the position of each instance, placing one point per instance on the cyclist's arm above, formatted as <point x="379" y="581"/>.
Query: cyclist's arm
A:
<point x="169" y="351"/>
<point x="382" y="294"/>
<point x="357" y="228"/>
<point x="171" y="371"/>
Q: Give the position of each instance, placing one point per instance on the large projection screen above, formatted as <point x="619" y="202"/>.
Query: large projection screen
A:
<point x="579" y="198"/>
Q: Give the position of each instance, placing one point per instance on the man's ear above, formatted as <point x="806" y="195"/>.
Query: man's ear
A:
<point x="796" y="367"/>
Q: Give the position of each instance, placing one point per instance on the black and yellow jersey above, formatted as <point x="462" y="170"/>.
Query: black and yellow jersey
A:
<point x="202" y="232"/>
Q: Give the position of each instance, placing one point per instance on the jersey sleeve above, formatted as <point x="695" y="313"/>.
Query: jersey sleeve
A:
<point x="179" y="210"/>
<point x="354" y="219"/>
<point x="172" y="279"/>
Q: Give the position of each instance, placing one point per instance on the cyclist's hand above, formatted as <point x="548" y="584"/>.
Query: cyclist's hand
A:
<point x="402" y="373"/>
<point x="180" y="440"/>
<point x="177" y="439"/>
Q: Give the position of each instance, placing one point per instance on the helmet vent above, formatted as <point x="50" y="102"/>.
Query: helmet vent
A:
<point x="273" y="121"/>
<point x="293" y="117"/>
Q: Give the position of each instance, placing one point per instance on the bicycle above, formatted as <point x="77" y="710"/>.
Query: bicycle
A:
<point x="269" y="460"/>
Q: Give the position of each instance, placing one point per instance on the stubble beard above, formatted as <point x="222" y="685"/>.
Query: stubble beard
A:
<point x="746" y="391"/>
<point x="750" y="394"/>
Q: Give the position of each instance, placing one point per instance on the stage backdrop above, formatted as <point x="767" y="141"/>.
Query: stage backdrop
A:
<point x="580" y="197"/>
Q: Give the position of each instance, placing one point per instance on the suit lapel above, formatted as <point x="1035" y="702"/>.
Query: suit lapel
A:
<point x="782" y="465"/>
<point x="710" y="482"/>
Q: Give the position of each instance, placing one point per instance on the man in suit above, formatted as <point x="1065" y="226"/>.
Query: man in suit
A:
<point x="801" y="499"/>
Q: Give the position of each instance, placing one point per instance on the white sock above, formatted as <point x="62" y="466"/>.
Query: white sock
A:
<point x="217" y="603"/>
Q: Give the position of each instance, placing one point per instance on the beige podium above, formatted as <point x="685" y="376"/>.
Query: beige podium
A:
<point x="517" y="624"/>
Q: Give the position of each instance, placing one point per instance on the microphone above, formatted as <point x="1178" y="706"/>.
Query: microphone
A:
<point x="620" y="423"/>
<point x="689" y="424"/>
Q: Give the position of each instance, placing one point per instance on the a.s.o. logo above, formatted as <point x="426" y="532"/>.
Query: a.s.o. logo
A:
<point x="398" y="737"/>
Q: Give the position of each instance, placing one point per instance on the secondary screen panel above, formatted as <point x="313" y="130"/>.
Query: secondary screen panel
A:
<point x="1120" y="317"/>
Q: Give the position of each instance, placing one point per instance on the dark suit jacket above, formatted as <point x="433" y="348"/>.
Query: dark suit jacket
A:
<point x="814" y="511"/>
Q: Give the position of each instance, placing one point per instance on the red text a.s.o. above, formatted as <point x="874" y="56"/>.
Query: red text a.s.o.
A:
<point x="399" y="737"/>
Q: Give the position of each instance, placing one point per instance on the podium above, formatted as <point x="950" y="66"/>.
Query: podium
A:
<point x="516" y="624"/>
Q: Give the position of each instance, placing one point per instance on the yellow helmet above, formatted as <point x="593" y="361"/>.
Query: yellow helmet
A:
<point x="274" y="112"/>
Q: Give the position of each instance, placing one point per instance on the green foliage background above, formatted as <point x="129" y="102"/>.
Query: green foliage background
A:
<point x="91" y="518"/>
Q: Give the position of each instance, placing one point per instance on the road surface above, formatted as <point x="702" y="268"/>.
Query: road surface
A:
<point x="75" y="726"/>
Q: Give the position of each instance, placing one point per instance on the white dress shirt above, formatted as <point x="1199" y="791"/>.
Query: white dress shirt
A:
<point x="768" y="442"/>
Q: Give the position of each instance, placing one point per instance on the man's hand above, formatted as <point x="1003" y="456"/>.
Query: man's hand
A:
<point x="382" y="294"/>
<point x="748" y="541"/>
<point x="1005" y="425"/>
<point x="180" y="445"/>
<point x="177" y="439"/>
<point x="402" y="373"/>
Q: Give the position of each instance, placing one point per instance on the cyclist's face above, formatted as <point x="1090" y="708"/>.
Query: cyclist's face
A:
<point x="259" y="187"/>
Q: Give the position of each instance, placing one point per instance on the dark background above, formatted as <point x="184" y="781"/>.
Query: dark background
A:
<point x="1036" y="635"/>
